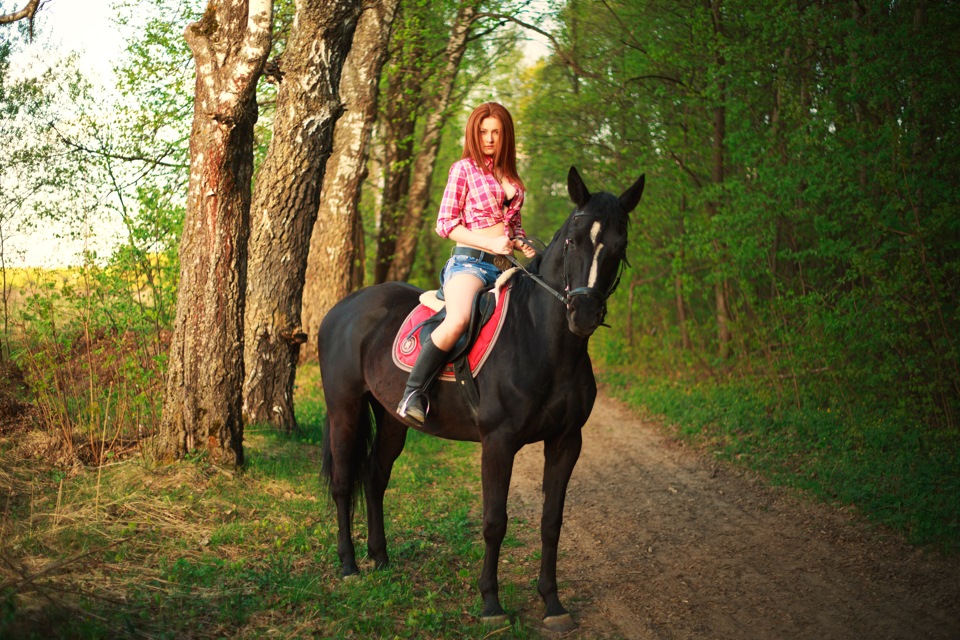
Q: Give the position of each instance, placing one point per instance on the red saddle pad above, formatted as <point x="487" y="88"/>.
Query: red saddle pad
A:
<point x="406" y="345"/>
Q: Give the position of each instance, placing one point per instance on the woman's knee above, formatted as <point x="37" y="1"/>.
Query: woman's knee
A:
<point x="456" y="324"/>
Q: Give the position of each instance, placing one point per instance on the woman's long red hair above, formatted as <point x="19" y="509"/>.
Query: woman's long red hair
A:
<point x="505" y="155"/>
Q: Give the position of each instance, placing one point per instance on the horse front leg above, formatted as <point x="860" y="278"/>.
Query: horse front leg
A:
<point x="560" y="457"/>
<point x="496" y="469"/>
<point x="391" y="437"/>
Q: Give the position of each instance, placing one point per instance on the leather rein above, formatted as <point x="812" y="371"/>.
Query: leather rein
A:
<point x="568" y="295"/>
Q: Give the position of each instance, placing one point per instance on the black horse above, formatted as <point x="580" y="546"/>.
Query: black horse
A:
<point x="536" y="385"/>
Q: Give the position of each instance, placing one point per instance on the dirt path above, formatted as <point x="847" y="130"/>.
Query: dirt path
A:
<point x="661" y="542"/>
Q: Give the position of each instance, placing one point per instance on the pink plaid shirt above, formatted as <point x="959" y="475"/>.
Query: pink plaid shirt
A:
<point x="474" y="198"/>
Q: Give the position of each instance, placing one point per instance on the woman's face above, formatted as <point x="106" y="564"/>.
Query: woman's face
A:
<point x="489" y="135"/>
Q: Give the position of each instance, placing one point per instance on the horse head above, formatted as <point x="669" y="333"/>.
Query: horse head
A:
<point x="594" y="250"/>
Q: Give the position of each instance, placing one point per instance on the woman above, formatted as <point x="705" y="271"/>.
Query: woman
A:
<point x="480" y="211"/>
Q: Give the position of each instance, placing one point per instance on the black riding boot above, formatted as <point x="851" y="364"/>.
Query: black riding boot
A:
<point x="431" y="360"/>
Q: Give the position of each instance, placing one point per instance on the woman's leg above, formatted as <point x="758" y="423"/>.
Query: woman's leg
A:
<point x="458" y="293"/>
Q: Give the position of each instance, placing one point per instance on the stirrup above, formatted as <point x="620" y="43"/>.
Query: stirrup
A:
<point x="405" y="405"/>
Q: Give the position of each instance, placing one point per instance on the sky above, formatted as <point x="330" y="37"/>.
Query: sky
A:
<point x="85" y="27"/>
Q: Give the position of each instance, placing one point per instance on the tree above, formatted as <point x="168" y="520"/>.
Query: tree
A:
<point x="286" y="203"/>
<point x="335" y="262"/>
<point x="437" y="107"/>
<point x="27" y="13"/>
<point x="432" y="46"/>
<point x="202" y="398"/>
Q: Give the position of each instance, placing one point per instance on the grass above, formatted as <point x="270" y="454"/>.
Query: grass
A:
<point x="895" y="472"/>
<point x="191" y="550"/>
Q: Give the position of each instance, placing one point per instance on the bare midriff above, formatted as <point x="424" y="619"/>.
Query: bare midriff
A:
<point x="494" y="231"/>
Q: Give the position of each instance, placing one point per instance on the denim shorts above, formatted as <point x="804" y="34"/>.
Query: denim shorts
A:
<point x="456" y="265"/>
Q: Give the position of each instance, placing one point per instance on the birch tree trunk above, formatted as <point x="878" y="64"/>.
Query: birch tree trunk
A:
<point x="426" y="158"/>
<point x="334" y="249"/>
<point x="286" y="201"/>
<point x="202" y="401"/>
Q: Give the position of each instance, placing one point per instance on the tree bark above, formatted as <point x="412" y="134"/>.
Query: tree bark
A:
<point x="398" y="121"/>
<point x="202" y="402"/>
<point x="286" y="201"/>
<point x="426" y="158"/>
<point x="334" y="250"/>
<point x="28" y="12"/>
<point x="719" y="128"/>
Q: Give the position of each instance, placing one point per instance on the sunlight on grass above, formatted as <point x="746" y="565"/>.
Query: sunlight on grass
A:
<point x="192" y="549"/>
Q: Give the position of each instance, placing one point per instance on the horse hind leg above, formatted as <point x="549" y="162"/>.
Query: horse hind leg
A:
<point x="387" y="445"/>
<point x="345" y="446"/>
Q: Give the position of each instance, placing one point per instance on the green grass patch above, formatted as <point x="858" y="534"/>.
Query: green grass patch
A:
<point x="893" y="470"/>
<point x="191" y="550"/>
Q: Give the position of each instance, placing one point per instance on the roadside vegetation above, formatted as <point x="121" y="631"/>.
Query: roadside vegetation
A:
<point x="886" y="465"/>
<point x="192" y="550"/>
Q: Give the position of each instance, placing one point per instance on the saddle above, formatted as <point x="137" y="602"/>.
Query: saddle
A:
<point x="473" y="347"/>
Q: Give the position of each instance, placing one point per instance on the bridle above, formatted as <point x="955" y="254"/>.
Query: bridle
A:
<point x="568" y="294"/>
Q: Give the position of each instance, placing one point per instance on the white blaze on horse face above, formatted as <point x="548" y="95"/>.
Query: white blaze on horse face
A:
<point x="594" y="234"/>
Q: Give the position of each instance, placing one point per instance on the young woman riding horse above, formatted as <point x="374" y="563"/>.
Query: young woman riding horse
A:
<point x="480" y="211"/>
<point x="536" y="385"/>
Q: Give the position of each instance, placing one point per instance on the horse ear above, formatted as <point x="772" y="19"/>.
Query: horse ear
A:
<point x="631" y="197"/>
<point x="575" y="187"/>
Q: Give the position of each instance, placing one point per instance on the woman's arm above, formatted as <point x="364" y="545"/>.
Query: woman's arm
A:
<point x="453" y="201"/>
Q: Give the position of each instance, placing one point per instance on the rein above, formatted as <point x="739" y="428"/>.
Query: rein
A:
<point x="567" y="297"/>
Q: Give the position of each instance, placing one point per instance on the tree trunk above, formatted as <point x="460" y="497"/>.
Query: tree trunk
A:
<point x="418" y="196"/>
<point x="286" y="201"/>
<point x="334" y="250"/>
<point x="678" y="279"/>
<point x="202" y="401"/>
<point x="398" y="122"/>
<point x="719" y="126"/>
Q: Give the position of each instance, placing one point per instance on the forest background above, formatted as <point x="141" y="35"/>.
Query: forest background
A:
<point x="792" y="296"/>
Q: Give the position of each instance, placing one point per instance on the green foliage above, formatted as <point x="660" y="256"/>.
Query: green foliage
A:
<point x="825" y="211"/>
<point x="832" y="229"/>
<point x="93" y="350"/>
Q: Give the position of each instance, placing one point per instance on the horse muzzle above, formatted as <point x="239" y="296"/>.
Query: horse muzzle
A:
<point x="586" y="309"/>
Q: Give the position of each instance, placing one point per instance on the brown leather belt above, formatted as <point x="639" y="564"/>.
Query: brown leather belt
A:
<point x="497" y="260"/>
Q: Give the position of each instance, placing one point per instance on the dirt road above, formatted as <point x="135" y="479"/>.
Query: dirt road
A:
<point x="661" y="542"/>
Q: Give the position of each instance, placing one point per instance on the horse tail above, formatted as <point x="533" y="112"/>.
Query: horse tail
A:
<point x="359" y="461"/>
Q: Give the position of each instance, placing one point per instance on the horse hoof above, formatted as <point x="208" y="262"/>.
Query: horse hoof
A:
<point x="353" y="577"/>
<point x="559" y="624"/>
<point x="495" y="620"/>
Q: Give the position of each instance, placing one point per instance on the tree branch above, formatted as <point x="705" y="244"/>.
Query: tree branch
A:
<point x="156" y="162"/>
<point x="656" y="77"/>
<point x="565" y="57"/>
<point x="28" y="12"/>
<point x="626" y="29"/>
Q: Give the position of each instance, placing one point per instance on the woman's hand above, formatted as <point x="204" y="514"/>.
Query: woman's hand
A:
<point x="501" y="245"/>
<point x="523" y="245"/>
